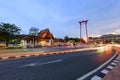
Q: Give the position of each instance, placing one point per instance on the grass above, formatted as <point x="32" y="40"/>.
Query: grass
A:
<point x="11" y="49"/>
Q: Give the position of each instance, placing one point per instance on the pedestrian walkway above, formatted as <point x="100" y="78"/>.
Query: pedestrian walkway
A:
<point x="114" y="74"/>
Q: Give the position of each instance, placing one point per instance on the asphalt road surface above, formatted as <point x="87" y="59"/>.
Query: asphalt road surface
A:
<point x="67" y="66"/>
<point x="37" y="49"/>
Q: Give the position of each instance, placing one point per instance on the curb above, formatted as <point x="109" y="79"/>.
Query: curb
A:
<point x="45" y="53"/>
<point x="20" y="56"/>
<point x="32" y="55"/>
<point x="105" y="71"/>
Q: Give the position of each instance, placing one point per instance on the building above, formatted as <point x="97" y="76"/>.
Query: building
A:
<point x="45" y="34"/>
<point x="111" y="38"/>
<point x="45" y="37"/>
<point x="108" y="38"/>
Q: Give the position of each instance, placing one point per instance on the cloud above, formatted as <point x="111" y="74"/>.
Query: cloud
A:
<point x="62" y="18"/>
<point x="105" y="26"/>
<point x="114" y="32"/>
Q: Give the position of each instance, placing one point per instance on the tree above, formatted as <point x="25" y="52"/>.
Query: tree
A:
<point x="76" y="39"/>
<point x="8" y="31"/>
<point x="66" y="38"/>
<point x="33" y="31"/>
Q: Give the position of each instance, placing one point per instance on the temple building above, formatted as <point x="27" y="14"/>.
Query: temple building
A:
<point x="46" y="38"/>
<point x="45" y="34"/>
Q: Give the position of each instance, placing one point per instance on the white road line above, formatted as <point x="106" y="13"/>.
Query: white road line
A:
<point x="4" y="57"/>
<point x="17" y="56"/>
<point x="49" y="62"/>
<point x="118" y="59"/>
<point x="104" y="71"/>
<point x="36" y="64"/>
<point x="96" y="78"/>
<point x="31" y="64"/>
<point x="113" y="63"/>
<point x="110" y="67"/>
<point x="98" y="68"/>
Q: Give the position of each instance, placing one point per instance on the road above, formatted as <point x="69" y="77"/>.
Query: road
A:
<point x="67" y="66"/>
<point x="35" y="49"/>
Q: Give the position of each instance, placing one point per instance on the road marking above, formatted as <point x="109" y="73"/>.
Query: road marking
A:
<point x="98" y="68"/>
<point x="110" y="67"/>
<point x="96" y="78"/>
<point x="4" y="57"/>
<point x="36" y="64"/>
<point x="113" y="63"/>
<point x="118" y="58"/>
<point x="49" y="62"/>
<point x="17" y="56"/>
<point x="31" y="64"/>
<point x="104" y="71"/>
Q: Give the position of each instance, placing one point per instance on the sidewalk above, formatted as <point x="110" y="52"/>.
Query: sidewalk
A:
<point x="114" y="74"/>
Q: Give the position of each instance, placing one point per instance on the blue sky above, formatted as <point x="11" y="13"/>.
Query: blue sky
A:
<point x="62" y="16"/>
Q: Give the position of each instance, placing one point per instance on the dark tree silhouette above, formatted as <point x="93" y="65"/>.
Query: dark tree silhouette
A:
<point x="8" y="31"/>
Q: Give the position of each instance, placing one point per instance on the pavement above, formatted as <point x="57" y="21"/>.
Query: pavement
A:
<point x="68" y="66"/>
<point x="114" y="74"/>
<point x="9" y="55"/>
<point x="28" y="54"/>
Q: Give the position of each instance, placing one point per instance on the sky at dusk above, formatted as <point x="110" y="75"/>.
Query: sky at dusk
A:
<point x="62" y="16"/>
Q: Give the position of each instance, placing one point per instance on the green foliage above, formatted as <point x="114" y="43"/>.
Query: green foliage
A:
<point x="14" y="47"/>
<point x="8" y="32"/>
<point x="66" y="38"/>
